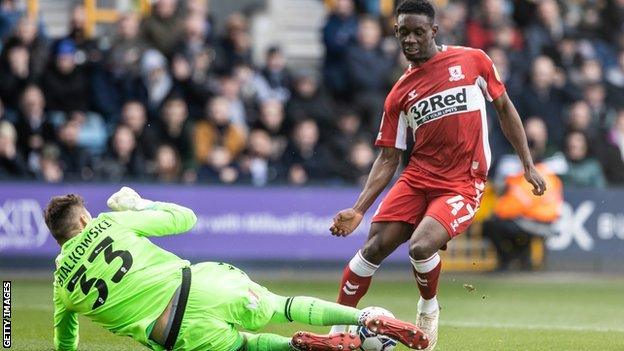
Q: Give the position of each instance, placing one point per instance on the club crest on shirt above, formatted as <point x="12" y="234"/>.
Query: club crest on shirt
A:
<point x="456" y="73"/>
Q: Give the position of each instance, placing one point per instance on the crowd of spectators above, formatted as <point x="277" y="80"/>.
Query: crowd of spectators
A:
<point x="171" y="97"/>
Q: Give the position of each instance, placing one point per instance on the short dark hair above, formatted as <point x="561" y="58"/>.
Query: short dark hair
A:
<point x="418" y="7"/>
<point x="60" y="215"/>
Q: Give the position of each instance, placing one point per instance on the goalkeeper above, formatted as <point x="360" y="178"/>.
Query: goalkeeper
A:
<point x="111" y="273"/>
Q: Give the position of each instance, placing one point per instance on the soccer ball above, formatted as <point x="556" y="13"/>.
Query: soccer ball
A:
<point x="370" y="340"/>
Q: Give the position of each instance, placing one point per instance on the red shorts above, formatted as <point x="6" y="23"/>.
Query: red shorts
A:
<point x="417" y="194"/>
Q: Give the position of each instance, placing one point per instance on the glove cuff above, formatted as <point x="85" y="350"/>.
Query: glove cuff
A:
<point x="143" y="204"/>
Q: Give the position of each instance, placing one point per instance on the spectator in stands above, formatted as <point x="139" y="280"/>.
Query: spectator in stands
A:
<point x="155" y="83"/>
<point x="590" y="72"/>
<point x="12" y="165"/>
<point x="615" y="82"/>
<point x="346" y="131"/>
<point x="168" y="164"/>
<point x="583" y="170"/>
<point x="339" y="32"/>
<point x="513" y="79"/>
<point x="542" y="150"/>
<point x="452" y="24"/>
<point x="490" y="20"/>
<point x="49" y="169"/>
<point x="87" y="52"/>
<point x="66" y="86"/>
<point x="164" y="27"/>
<point x="257" y="166"/>
<point x="124" y="56"/>
<point x="603" y="114"/>
<point x="10" y="13"/>
<point x="134" y="116"/>
<point x="304" y="159"/>
<point x="544" y="97"/>
<point x="274" y="80"/>
<point x="519" y="216"/>
<point x="219" y="167"/>
<point x="123" y="162"/>
<point x="567" y="55"/>
<point x="191" y="64"/>
<point x="547" y="28"/>
<point x="308" y="100"/>
<point x="33" y="126"/>
<point x="217" y="130"/>
<point x="368" y="69"/>
<point x="272" y="121"/>
<point x="74" y="160"/>
<point x="15" y="73"/>
<point x="230" y="90"/>
<point x="176" y="130"/>
<point x="611" y="151"/>
<point x="235" y="45"/>
<point x="26" y="34"/>
<point x="193" y="40"/>
<point x="580" y="120"/>
<point x="359" y="163"/>
<point x="202" y="8"/>
<point x="114" y="82"/>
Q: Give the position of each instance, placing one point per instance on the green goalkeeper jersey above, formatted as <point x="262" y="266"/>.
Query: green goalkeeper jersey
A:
<point x="112" y="274"/>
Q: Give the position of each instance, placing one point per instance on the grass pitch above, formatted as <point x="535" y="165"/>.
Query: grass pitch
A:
<point x="528" y="312"/>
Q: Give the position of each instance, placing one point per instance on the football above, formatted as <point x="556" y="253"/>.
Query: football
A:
<point x="370" y="340"/>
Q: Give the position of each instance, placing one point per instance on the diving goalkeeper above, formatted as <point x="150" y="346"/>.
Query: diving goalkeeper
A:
<point x="111" y="273"/>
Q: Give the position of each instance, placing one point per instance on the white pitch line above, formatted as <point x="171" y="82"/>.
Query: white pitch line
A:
<point x="531" y="327"/>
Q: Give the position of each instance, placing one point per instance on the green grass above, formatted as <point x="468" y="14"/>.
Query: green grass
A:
<point x="502" y="314"/>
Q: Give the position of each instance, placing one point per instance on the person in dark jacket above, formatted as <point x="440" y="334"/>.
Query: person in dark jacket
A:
<point x="305" y="159"/>
<point x="584" y="171"/>
<point x="309" y="101"/>
<point x="12" y="164"/>
<point x="339" y="32"/>
<point x="65" y="84"/>
<point x="369" y="69"/>
<point x="123" y="161"/>
<point x="164" y="27"/>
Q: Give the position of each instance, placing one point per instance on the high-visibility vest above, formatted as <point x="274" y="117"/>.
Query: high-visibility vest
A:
<point x="519" y="201"/>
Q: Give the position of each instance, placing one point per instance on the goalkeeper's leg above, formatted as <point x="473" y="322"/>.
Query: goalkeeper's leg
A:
<point x="313" y="311"/>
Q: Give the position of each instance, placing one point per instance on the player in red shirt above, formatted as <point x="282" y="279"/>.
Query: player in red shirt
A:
<point x="441" y="98"/>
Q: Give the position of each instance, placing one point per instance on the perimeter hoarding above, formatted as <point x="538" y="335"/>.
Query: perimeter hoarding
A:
<point x="291" y="224"/>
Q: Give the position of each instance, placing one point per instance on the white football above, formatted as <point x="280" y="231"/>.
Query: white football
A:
<point x="370" y="340"/>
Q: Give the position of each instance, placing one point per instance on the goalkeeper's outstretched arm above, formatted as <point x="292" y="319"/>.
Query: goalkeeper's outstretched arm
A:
<point x="149" y="218"/>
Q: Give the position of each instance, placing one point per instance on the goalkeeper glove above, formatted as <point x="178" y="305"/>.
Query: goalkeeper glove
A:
<point x="127" y="199"/>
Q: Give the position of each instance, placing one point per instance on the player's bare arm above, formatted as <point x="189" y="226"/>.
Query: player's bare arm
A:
<point x="514" y="132"/>
<point x="381" y="174"/>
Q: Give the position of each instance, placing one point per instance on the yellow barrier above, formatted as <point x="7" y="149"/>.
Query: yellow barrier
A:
<point x="97" y="15"/>
<point x="32" y="8"/>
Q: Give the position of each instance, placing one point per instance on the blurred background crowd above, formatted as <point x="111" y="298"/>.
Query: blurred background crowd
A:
<point x="173" y="97"/>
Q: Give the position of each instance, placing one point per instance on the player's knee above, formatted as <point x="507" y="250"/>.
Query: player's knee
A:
<point x="374" y="252"/>
<point x="421" y="249"/>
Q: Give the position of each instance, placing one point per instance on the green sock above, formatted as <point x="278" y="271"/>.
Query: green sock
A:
<point x="313" y="311"/>
<point x="266" y="342"/>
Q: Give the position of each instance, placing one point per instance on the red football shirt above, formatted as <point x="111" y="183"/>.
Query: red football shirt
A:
<point x="443" y="103"/>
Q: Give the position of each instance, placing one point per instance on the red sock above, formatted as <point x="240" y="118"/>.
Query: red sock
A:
<point x="352" y="287"/>
<point x="427" y="273"/>
<point x="356" y="279"/>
